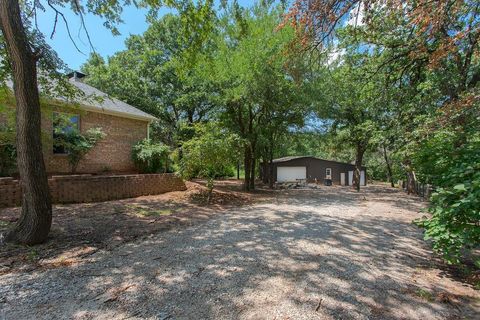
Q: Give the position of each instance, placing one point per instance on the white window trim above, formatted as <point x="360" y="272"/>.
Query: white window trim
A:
<point x="327" y="174"/>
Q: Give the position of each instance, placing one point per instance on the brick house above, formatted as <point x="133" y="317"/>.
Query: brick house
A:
<point x="123" y="125"/>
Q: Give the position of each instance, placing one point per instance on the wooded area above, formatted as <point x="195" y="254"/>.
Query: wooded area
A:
<point x="392" y="85"/>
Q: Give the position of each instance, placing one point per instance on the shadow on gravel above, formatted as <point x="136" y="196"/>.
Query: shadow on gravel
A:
<point x="233" y="268"/>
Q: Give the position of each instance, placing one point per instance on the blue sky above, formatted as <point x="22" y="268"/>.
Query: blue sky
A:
<point x="103" y="41"/>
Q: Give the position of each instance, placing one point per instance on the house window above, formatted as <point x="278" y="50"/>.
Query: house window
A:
<point x="63" y="123"/>
<point x="328" y="173"/>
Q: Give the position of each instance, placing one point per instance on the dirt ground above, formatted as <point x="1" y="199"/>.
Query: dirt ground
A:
<point x="329" y="253"/>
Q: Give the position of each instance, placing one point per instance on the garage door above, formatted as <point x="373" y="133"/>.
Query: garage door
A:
<point x="291" y="173"/>
<point x="362" y="178"/>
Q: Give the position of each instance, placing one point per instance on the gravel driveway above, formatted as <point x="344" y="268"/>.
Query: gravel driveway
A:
<point x="307" y="254"/>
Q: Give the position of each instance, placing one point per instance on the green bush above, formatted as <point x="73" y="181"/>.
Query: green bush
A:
<point x="76" y="144"/>
<point x="7" y="134"/>
<point x="151" y="157"/>
<point x="450" y="160"/>
<point x="8" y="164"/>
<point x="455" y="207"/>
<point x="210" y="154"/>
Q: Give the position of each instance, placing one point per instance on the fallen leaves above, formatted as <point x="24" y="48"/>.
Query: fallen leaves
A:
<point x="114" y="293"/>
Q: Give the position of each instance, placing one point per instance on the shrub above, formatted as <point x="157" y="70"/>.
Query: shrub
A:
<point x="450" y="160"/>
<point x="77" y="145"/>
<point x="7" y="134"/>
<point x="7" y="159"/>
<point x="209" y="154"/>
<point x="455" y="207"/>
<point x="150" y="157"/>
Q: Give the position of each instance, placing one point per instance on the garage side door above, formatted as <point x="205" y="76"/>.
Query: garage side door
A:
<point x="285" y="174"/>
<point x="362" y="178"/>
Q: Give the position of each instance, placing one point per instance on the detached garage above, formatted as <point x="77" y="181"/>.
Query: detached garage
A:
<point x="290" y="169"/>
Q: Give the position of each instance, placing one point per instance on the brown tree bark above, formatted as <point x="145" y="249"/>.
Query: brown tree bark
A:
<point x="411" y="177"/>
<point x="358" y="166"/>
<point x="252" y="173"/>
<point x="389" y="166"/>
<point x="36" y="217"/>
<point x="264" y="174"/>
<point x="270" y="168"/>
<point x="247" y="167"/>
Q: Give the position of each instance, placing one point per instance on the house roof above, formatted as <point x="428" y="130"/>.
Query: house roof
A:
<point x="100" y="102"/>
<point x="285" y="159"/>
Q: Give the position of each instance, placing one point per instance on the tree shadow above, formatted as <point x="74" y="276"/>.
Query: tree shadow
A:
<point x="304" y="255"/>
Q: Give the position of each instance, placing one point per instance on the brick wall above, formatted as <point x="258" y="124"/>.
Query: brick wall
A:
<point x="88" y="188"/>
<point x="112" y="153"/>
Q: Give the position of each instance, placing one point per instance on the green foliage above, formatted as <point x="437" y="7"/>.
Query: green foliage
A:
<point x="7" y="134"/>
<point x="159" y="73"/>
<point x="150" y="157"/>
<point x="451" y="161"/>
<point x="7" y="159"/>
<point x="210" y="154"/>
<point x="75" y="143"/>
<point x="78" y="145"/>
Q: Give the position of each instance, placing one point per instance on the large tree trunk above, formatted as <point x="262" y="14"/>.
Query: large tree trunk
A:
<point x="358" y="166"/>
<point x="252" y="173"/>
<point x="264" y="174"/>
<point x="389" y="166"/>
<point x="270" y="170"/>
<point x="247" y="167"/>
<point x="411" y="177"/>
<point x="238" y="170"/>
<point x="36" y="217"/>
<point x="411" y="182"/>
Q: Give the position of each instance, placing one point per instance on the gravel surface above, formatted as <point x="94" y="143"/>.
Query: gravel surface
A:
<point x="329" y="253"/>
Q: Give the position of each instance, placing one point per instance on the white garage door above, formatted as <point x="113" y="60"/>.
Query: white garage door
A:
<point x="350" y="178"/>
<point x="362" y="178"/>
<point x="285" y="174"/>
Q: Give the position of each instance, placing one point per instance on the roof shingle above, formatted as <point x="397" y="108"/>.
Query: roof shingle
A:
<point x="103" y="103"/>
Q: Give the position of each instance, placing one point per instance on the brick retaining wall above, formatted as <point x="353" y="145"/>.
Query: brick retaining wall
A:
<point x="88" y="188"/>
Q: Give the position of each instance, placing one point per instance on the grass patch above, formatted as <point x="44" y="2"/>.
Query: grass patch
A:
<point x="148" y="212"/>
<point x="425" y="294"/>
<point x="4" y="224"/>
<point x="153" y="213"/>
<point x="32" y="254"/>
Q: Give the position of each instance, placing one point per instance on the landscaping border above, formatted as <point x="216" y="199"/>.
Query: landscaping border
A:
<point x="90" y="188"/>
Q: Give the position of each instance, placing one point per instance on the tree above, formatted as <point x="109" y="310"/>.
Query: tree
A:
<point x="23" y="54"/>
<point x="351" y="105"/>
<point x="428" y="50"/>
<point x="427" y="56"/>
<point x="208" y="153"/>
<point x="255" y="86"/>
<point x="157" y="74"/>
<point x="35" y="221"/>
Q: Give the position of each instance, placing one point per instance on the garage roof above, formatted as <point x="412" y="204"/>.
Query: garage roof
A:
<point x="285" y="159"/>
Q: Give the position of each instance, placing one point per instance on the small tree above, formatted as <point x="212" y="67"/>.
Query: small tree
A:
<point x="76" y="144"/>
<point x="149" y="156"/>
<point x="210" y="151"/>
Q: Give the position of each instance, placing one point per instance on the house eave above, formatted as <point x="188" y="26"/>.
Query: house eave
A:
<point x="118" y="114"/>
